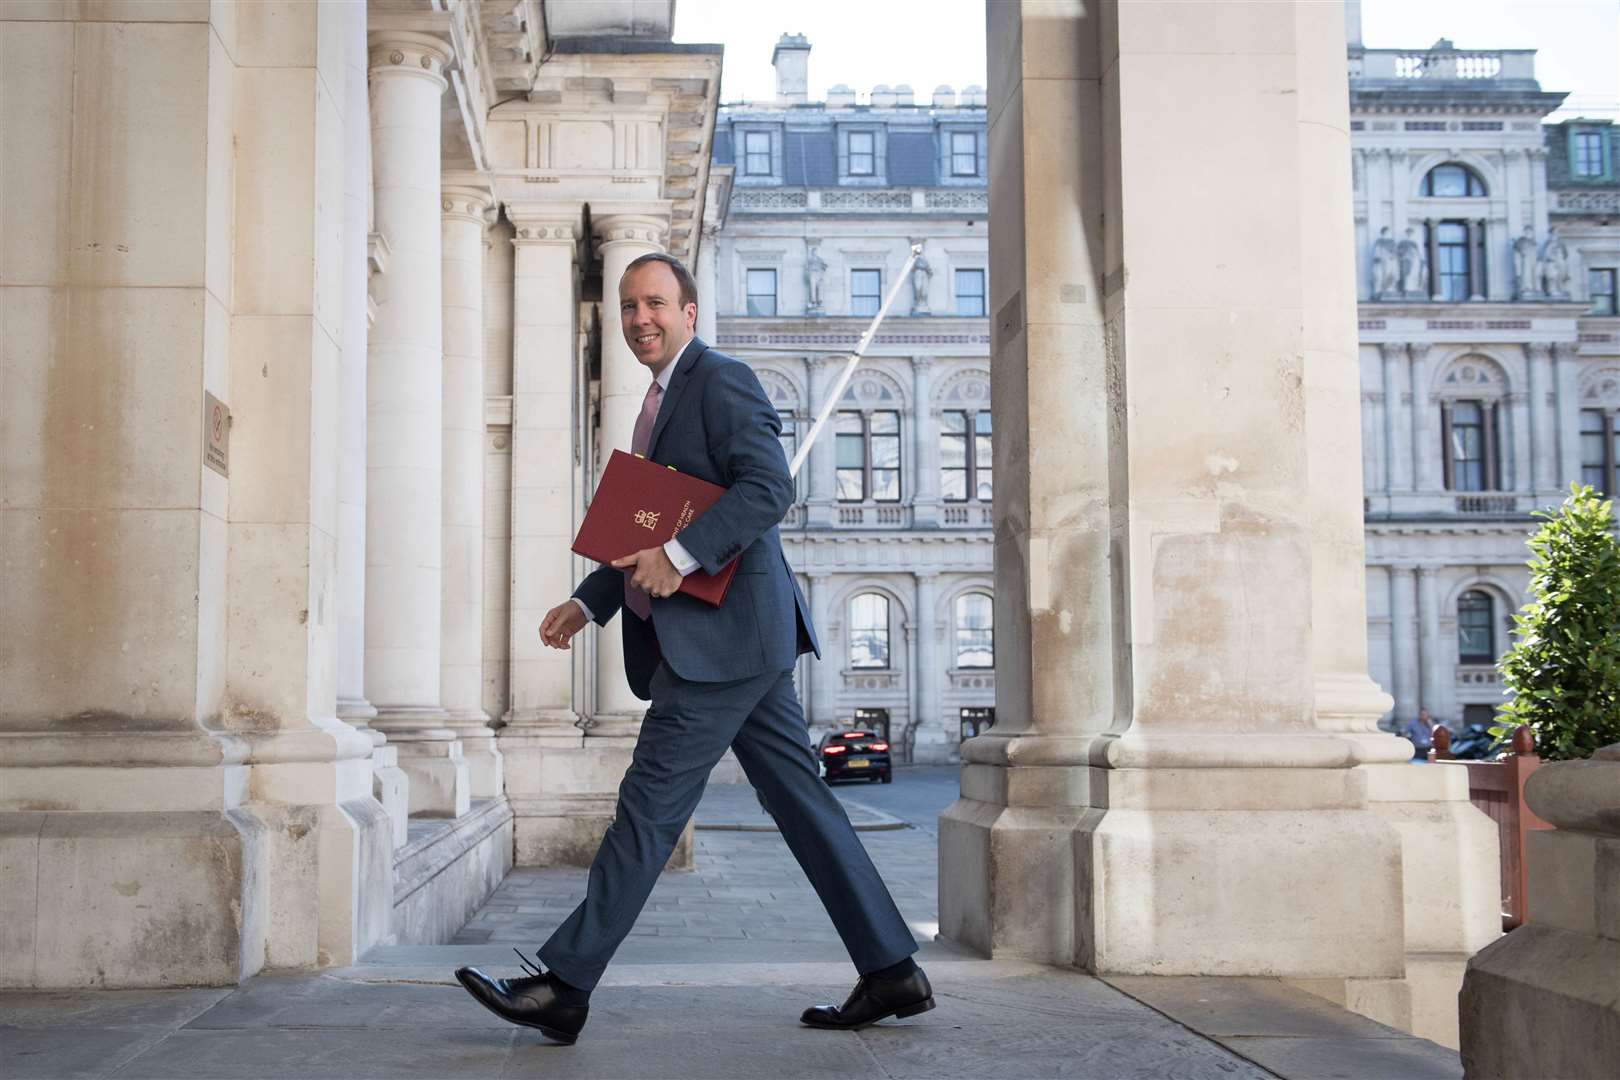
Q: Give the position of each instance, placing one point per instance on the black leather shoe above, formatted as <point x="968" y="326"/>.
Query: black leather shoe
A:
<point x="873" y="1000"/>
<point x="530" y="1001"/>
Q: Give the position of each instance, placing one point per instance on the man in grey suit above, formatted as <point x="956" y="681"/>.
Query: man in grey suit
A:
<point x="716" y="677"/>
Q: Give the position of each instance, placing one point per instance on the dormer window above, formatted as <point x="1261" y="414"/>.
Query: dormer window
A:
<point x="964" y="153"/>
<point x="862" y="153"/>
<point x="1452" y="181"/>
<point x="756" y="153"/>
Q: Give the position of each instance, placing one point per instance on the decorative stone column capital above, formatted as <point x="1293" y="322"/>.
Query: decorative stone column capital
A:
<point x="1563" y="350"/>
<point x="1419" y="350"/>
<point x="1392" y="350"/>
<point x="467" y="204"/>
<point x="1403" y="569"/>
<point x="533" y="230"/>
<point x="1513" y="153"/>
<point x="922" y="365"/>
<point x="816" y="363"/>
<point x="1539" y="350"/>
<point x="403" y="53"/>
<point x="926" y="577"/>
<point x="640" y="229"/>
<point x="1537" y="153"/>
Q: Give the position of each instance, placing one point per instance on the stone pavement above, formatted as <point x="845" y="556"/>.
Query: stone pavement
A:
<point x="709" y="985"/>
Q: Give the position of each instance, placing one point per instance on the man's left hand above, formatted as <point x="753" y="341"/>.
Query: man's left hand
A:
<point x="651" y="571"/>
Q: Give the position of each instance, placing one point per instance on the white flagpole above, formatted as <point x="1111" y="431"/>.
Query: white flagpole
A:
<point x="854" y="361"/>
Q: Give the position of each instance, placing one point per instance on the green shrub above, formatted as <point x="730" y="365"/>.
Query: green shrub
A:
<point x="1564" y="666"/>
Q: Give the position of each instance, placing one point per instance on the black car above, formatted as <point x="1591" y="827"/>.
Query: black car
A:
<point x="854" y="755"/>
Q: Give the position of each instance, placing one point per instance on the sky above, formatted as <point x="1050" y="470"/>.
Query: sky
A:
<point x="925" y="43"/>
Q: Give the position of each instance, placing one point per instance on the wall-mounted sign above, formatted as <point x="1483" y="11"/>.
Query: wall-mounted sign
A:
<point x="216" y="434"/>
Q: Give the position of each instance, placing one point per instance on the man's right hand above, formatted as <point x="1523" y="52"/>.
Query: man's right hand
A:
<point x="561" y="623"/>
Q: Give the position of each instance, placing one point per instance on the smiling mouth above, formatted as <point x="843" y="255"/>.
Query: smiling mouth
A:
<point x="647" y="340"/>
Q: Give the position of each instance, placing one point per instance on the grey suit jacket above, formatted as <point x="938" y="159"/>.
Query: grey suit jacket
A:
<point x="716" y="423"/>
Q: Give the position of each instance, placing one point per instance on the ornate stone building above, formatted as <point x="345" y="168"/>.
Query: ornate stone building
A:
<point x="892" y="531"/>
<point x="1487" y="249"/>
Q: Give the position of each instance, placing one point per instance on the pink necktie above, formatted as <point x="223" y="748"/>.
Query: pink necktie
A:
<point x="636" y="599"/>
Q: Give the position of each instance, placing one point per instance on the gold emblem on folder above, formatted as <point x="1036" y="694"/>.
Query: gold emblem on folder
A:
<point x="647" y="519"/>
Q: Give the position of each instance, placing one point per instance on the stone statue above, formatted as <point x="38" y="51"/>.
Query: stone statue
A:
<point x="814" y="269"/>
<point x="1414" y="266"/>
<point x="1386" y="266"/>
<point x="1554" y="266"/>
<point x="1524" y="263"/>
<point x="921" y="275"/>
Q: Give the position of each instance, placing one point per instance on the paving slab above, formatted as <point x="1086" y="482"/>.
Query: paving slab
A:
<point x="1351" y="1059"/>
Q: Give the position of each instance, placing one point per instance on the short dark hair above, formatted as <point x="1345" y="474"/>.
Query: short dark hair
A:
<point x="683" y="276"/>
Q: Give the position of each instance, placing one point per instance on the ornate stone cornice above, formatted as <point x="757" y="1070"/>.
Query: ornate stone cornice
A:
<point x="404" y="53"/>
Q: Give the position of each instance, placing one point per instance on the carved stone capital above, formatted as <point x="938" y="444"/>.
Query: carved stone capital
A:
<point x="1419" y="351"/>
<point x="1391" y="350"/>
<point x="642" y="229"/>
<point x="1539" y="350"/>
<point x="466" y="204"/>
<point x="922" y="365"/>
<point x="401" y="53"/>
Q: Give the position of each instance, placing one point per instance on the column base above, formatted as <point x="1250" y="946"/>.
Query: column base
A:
<point x="567" y="832"/>
<point x="392" y="788"/>
<point x="130" y="899"/>
<point x="1128" y="871"/>
<point x="484" y="771"/>
<point x="439" y="784"/>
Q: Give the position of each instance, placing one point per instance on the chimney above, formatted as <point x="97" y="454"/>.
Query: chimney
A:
<point x="791" y="59"/>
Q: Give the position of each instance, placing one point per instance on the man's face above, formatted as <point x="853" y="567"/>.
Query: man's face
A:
<point x="656" y="325"/>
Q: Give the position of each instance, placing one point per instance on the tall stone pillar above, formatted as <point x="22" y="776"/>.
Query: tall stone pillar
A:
<point x="404" y="503"/>
<point x="389" y="784"/>
<point x="1543" y="419"/>
<point x="1397" y="418"/>
<point x="1140" y="525"/>
<point x="461" y="588"/>
<point x="1403" y="636"/>
<point x="557" y="810"/>
<point x="1431" y="651"/>
<point x="822" y="709"/>
<point x="929" y="740"/>
<point x="708" y="288"/>
<point x="1477" y="254"/>
<point x="1516" y="448"/>
<point x="1567" y="374"/>
<point x="822" y="462"/>
<point x="1537" y="160"/>
<point x="925" y="443"/>
<point x="1425" y="422"/>
<point x="623" y="234"/>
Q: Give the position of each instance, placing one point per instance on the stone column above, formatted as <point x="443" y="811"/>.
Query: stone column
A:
<point x="928" y="739"/>
<point x="708" y="288"/>
<point x="1436" y="289"/>
<point x="822" y="461"/>
<point x="461" y="661"/>
<point x="1537" y="160"/>
<point x="1398" y="187"/>
<point x="1426" y="448"/>
<point x="823" y="672"/>
<point x="1516" y="447"/>
<point x="1431" y="650"/>
<point x="558" y="814"/>
<point x="1124" y="664"/>
<point x="404" y="506"/>
<point x="389" y="784"/>
<point x="1567" y="373"/>
<point x="1543" y="414"/>
<point x="1403" y="636"/>
<point x="1397" y="419"/>
<point x="623" y="234"/>
<point x="1556" y="974"/>
<point x="925" y="444"/>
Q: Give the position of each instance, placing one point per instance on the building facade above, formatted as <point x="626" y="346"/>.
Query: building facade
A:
<point x="1487" y="247"/>
<point x="892" y="533"/>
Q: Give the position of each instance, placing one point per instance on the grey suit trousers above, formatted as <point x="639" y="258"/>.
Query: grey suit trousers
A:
<point x="685" y="732"/>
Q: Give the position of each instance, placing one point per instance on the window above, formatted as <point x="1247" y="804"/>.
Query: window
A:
<point x="965" y="469"/>
<point x="762" y="292"/>
<point x="1600" y="290"/>
<point x="1476" y="631"/>
<point x="1469" y="431"/>
<point x="1588" y="153"/>
<point x="868" y="456"/>
<point x="1451" y="246"/>
<point x="970" y="292"/>
<point x="1453" y="181"/>
<point x="1600" y="449"/>
<point x="862" y="153"/>
<point x="964" y="153"/>
<point x="756" y="153"/>
<point x="869" y="631"/>
<point x="975" y="631"/>
<point x="865" y="291"/>
<point x="789" y="438"/>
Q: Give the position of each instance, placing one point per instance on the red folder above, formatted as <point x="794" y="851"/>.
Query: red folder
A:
<point x="641" y="504"/>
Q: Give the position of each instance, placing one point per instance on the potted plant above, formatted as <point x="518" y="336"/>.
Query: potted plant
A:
<point x="1563" y="669"/>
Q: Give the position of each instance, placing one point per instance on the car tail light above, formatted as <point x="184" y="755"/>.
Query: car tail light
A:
<point x="853" y="734"/>
<point x="878" y="746"/>
<point x="834" y="749"/>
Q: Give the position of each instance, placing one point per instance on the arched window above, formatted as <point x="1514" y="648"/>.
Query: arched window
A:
<point x="1450" y="181"/>
<point x="869" y="631"/>
<point x="975" y="631"/>
<point x="1471" y="393"/>
<point x="1476" y="628"/>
